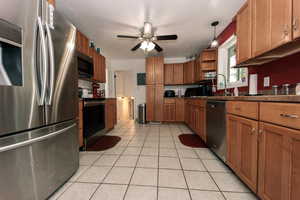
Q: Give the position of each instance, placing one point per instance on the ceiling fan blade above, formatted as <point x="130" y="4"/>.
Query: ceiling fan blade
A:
<point x="157" y="47"/>
<point x="167" y="37"/>
<point x="127" y="36"/>
<point x="136" y="47"/>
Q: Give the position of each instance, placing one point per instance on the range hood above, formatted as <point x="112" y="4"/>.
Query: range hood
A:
<point x="285" y="50"/>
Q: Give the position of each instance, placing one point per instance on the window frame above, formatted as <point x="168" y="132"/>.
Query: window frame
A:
<point x="223" y="62"/>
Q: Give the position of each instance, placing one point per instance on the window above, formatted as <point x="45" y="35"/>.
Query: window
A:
<point x="235" y="77"/>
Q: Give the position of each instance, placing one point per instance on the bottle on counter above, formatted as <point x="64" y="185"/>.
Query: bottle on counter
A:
<point x="298" y="89"/>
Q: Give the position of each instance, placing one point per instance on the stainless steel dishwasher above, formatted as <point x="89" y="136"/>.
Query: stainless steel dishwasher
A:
<point x="216" y="127"/>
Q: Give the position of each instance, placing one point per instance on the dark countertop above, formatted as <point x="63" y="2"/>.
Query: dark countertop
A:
<point x="265" y="98"/>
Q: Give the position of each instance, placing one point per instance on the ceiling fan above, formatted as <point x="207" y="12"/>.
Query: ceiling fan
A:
<point x="148" y="39"/>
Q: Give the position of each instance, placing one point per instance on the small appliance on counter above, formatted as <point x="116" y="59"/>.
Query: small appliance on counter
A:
<point x="169" y="93"/>
<point x="202" y="90"/>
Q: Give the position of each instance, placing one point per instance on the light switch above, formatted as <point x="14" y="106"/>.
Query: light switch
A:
<point x="267" y="81"/>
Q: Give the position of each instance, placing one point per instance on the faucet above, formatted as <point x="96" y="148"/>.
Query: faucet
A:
<point x="226" y="92"/>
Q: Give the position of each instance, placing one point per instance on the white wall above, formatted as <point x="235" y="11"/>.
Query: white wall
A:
<point x="130" y="67"/>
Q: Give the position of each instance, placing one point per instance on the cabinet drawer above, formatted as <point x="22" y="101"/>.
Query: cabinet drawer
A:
<point x="169" y="101"/>
<point x="242" y="108"/>
<point x="198" y="102"/>
<point x="285" y="114"/>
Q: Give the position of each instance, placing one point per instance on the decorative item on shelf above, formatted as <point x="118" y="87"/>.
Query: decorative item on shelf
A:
<point x="286" y="89"/>
<point x="92" y="44"/>
<point x="98" y="50"/>
<point x="215" y="42"/>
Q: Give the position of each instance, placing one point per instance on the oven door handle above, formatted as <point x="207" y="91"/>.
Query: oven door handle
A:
<point x="90" y="104"/>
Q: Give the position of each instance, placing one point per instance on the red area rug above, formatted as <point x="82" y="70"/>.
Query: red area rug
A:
<point x="192" y="140"/>
<point x="103" y="143"/>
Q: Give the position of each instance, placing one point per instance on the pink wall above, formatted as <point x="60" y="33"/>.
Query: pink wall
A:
<point x="285" y="70"/>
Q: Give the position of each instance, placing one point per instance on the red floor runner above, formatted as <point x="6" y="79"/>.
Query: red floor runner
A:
<point x="102" y="143"/>
<point x="192" y="140"/>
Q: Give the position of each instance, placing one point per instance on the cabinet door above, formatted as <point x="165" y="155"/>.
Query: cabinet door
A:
<point x="169" y="74"/>
<point x="296" y="19"/>
<point x="150" y="76"/>
<point x="248" y="158"/>
<point x="192" y="72"/>
<point x="178" y="74"/>
<point x="232" y="141"/>
<point x="169" y="112"/>
<point x="273" y="163"/>
<point x="159" y="103"/>
<point x="186" y="112"/>
<point x="159" y="70"/>
<point x="293" y="169"/>
<point x="186" y="73"/>
<point x="150" y="102"/>
<point x="203" y="123"/>
<point x="261" y="23"/>
<point x="197" y="121"/>
<point x="180" y="109"/>
<point x="281" y="22"/>
<point x="244" y="35"/>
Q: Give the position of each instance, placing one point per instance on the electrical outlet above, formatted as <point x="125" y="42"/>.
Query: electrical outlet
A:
<point x="267" y="81"/>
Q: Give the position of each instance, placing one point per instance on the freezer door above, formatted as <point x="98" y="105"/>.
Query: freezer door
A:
<point x="34" y="164"/>
<point x="19" y="93"/>
<point x="61" y="102"/>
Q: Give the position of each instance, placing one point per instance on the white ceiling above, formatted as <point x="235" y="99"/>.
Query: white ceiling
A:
<point x="102" y="20"/>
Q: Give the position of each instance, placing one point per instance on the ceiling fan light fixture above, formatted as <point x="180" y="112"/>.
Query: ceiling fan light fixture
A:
<point x="147" y="46"/>
<point x="214" y="43"/>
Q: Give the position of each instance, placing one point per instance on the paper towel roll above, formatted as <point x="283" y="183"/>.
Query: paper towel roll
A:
<point x="253" y="84"/>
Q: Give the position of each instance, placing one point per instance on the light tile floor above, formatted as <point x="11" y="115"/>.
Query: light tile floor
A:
<point x="150" y="163"/>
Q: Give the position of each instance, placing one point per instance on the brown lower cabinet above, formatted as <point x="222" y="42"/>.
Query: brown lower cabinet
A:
<point x="195" y="116"/>
<point x="155" y="103"/>
<point x="279" y="163"/>
<point x="264" y="153"/>
<point x="242" y="147"/>
<point x="110" y="113"/>
<point x="173" y="110"/>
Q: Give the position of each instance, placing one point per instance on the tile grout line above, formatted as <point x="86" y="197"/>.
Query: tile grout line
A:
<point x="211" y="176"/>
<point x="101" y="183"/>
<point x="188" y="189"/>
<point x="135" y="166"/>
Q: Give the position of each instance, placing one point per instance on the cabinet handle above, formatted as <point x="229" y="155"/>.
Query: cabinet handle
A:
<point x="296" y="24"/>
<point x="286" y="30"/>
<point x="253" y="130"/>
<point x="260" y="131"/>
<point x="289" y="116"/>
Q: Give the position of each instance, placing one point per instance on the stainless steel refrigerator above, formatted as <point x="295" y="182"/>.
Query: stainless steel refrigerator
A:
<point x="38" y="100"/>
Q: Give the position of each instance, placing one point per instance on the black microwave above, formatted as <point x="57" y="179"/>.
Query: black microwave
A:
<point x="85" y="66"/>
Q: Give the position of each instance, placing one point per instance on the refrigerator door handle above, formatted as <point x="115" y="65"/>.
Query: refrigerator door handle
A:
<point x="34" y="140"/>
<point x="52" y="61"/>
<point x="44" y="77"/>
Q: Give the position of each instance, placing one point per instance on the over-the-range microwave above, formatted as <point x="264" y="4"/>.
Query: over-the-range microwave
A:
<point x="85" y="66"/>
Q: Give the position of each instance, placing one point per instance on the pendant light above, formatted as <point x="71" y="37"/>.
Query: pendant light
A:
<point x="214" y="43"/>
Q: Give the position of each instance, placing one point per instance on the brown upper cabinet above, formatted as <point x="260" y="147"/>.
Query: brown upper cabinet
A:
<point x="155" y="70"/>
<point x="274" y="23"/>
<point x="244" y="33"/>
<point x="169" y="74"/>
<point x="189" y="72"/>
<point x="209" y="59"/>
<point x="281" y="22"/>
<point x="82" y="44"/>
<point x="173" y="74"/>
<point x="99" y="67"/>
<point x="261" y="41"/>
<point x="296" y="19"/>
<point x="198" y="70"/>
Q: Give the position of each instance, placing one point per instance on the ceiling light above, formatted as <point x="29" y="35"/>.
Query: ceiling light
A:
<point x="215" y="42"/>
<point x="147" y="46"/>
